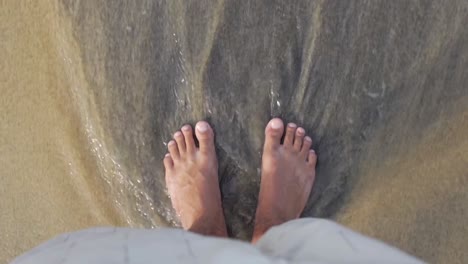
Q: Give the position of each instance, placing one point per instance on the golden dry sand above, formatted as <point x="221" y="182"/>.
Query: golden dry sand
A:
<point x="417" y="201"/>
<point x="47" y="177"/>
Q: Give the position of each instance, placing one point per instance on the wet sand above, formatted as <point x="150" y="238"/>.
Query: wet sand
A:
<point x="90" y="93"/>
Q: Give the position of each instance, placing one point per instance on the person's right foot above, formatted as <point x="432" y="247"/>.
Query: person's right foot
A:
<point x="192" y="180"/>
<point x="288" y="173"/>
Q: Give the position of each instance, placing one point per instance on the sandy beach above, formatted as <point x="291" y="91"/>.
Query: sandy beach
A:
<point x="81" y="137"/>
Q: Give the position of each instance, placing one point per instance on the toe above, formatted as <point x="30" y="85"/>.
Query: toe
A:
<point x="168" y="162"/>
<point x="289" y="137"/>
<point x="273" y="133"/>
<point x="189" y="141"/>
<point x="300" y="133"/>
<point x="312" y="160"/>
<point x="173" y="150"/>
<point x="306" y="147"/>
<point x="205" y="137"/>
<point x="179" y="138"/>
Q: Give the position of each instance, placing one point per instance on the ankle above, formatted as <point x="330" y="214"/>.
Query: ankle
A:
<point x="213" y="225"/>
<point x="266" y="219"/>
<point x="257" y="234"/>
<point x="261" y="226"/>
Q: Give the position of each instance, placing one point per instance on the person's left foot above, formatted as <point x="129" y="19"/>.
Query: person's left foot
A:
<point x="192" y="180"/>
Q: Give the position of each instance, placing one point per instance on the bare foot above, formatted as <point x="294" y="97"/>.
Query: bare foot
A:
<point x="192" y="181"/>
<point x="288" y="173"/>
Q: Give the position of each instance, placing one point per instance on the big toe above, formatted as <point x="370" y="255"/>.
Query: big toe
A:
<point x="205" y="136"/>
<point x="273" y="133"/>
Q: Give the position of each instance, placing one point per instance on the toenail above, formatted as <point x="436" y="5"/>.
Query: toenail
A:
<point x="275" y="124"/>
<point x="300" y="131"/>
<point x="186" y="128"/>
<point x="171" y="143"/>
<point x="177" y="134"/>
<point x="292" y="125"/>
<point x="308" y="139"/>
<point x="167" y="155"/>
<point x="312" y="151"/>
<point x="202" y="127"/>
